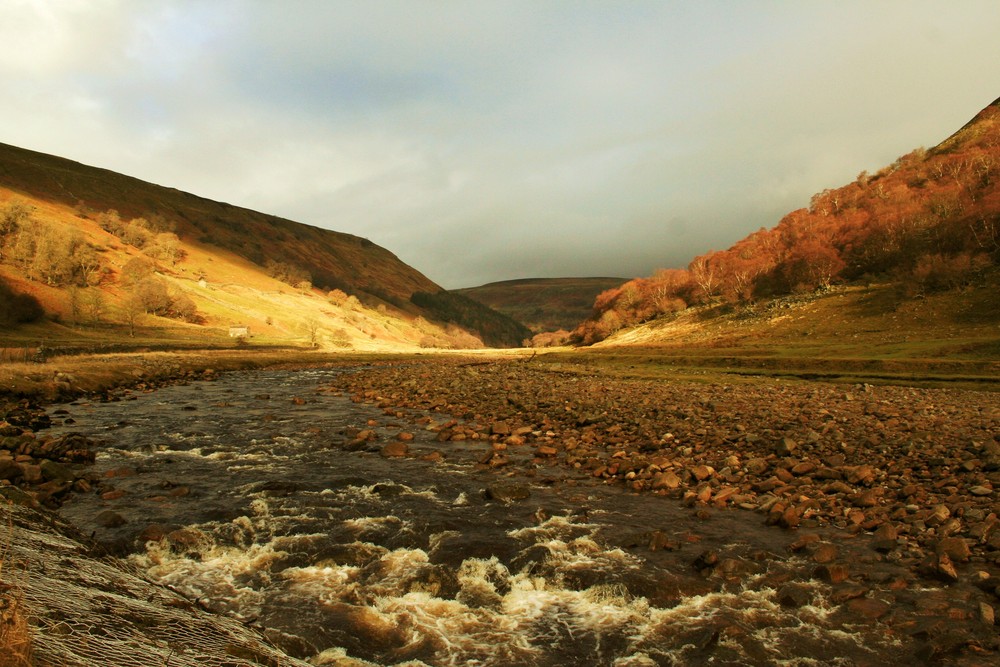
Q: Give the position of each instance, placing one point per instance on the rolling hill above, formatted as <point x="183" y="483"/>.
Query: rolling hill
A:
<point x="543" y="304"/>
<point x="923" y="230"/>
<point x="103" y="253"/>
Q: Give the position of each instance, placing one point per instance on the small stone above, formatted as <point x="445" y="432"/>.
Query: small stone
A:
<point x="955" y="548"/>
<point x="831" y="573"/>
<point x="508" y="491"/>
<point x="981" y="491"/>
<point x="886" y="537"/>
<point x="785" y="447"/>
<point x="395" y="449"/>
<point x="500" y="428"/>
<point x="666" y="480"/>
<point x="987" y="614"/>
<point x="702" y="472"/>
<point x="794" y="595"/>
<point x="869" y="607"/>
<point x="825" y="553"/>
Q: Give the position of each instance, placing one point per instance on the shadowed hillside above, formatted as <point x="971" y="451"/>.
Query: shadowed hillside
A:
<point x="543" y="304"/>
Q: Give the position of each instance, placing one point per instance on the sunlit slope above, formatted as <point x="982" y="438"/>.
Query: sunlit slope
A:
<point x="211" y="265"/>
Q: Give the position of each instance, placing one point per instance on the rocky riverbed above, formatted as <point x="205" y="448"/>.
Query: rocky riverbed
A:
<point x="777" y="513"/>
<point x="914" y="471"/>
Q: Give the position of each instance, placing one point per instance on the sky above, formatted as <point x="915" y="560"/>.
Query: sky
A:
<point x="492" y="140"/>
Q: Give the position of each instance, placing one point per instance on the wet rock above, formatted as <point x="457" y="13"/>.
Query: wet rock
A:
<point x="939" y="567"/>
<point x="395" y="449"/>
<point x="886" y="538"/>
<point x="832" y="573"/>
<point x="508" y="491"/>
<point x="825" y="553"/>
<point x="56" y="472"/>
<point x="870" y="608"/>
<point x="794" y="595"/>
<point x="9" y="470"/>
<point x="110" y="519"/>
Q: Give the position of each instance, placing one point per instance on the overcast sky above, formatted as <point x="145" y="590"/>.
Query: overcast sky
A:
<point x="484" y="141"/>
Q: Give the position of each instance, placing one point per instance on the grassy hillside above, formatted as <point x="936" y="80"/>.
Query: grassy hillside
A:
<point x="116" y="261"/>
<point x="927" y="225"/>
<point x="863" y="332"/>
<point x="543" y="304"/>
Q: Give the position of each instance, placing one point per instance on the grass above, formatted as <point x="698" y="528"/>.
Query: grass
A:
<point x="856" y="334"/>
<point x="15" y="631"/>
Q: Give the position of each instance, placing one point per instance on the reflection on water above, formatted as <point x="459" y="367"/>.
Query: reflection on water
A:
<point x="240" y="494"/>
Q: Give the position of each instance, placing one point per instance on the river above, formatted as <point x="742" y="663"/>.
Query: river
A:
<point x="246" y="494"/>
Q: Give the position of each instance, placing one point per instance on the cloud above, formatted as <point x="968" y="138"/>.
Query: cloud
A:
<point x="486" y="141"/>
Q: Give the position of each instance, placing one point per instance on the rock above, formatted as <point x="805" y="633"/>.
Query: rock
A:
<point x="508" y="491"/>
<point x="395" y="449"/>
<point x="940" y="567"/>
<point x="794" y="595"/>
<point x="869" y="607"/>
<point x="500" y="428"/>
<point x="938" y="515"/>
<point x="886" y="537"/>
<point x="666" y="480"/>
<point x="702" y="472"/>
<point x="9" y="470"/>
<point x="56" y="472"/>
<point x="825" y="553"/>
<point x="110" y="519"/>
<point x="987" y="614"/>
<point x="546" y="451"/>
<point x="404" y="436"/>
<point x="790" y="518"/>
<point x="785" y="447"/>
<point x="757" y="466"/>
<point x="660" y="541"/>
<point x="867" y="498"/>
<point x="31" y="473"/>
<point x="956" y="548"/>
<point x="831" y="573"/>
<point x="863" y="474"/>
<point x="981" y="490"/>
<point x="804" y="468"/>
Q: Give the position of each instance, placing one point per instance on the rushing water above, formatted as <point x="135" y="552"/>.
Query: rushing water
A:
<point x="271" y="518"/>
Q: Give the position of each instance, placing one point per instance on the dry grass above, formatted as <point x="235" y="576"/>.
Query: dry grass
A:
<point x="15" y="631"/>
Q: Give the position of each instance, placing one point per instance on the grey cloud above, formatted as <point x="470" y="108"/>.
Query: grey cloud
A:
<point x="494" y="140"/>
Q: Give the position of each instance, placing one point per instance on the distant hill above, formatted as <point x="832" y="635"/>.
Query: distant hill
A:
<point x="543" y="304"/>
<point x="72" y="235"/>
<point x="925" y="225"/>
